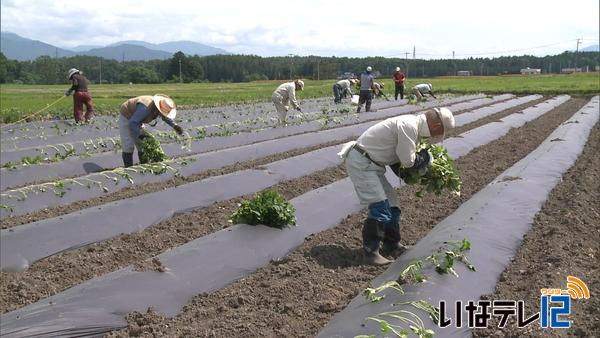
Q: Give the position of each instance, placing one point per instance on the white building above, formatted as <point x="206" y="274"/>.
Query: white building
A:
<point x="530" y="71"/>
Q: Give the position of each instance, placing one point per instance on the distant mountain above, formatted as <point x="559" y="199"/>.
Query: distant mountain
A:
<point x="128" y="53"/>
<point x="593" y="48"/>
<point x="16" y="47"/>
<point x="84" y="48"/>
<point x="187" y="47"/>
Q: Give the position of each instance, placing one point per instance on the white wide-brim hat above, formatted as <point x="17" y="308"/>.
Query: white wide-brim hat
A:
<point x="447" y="118"/>
<point x="72" y="71"/>
<point x="165" y="105"/>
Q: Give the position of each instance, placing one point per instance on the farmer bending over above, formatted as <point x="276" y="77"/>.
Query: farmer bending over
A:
<point x="81" y="96"/>
<point x="283" y="95"/>
<point x="422" y="89"/>
<point x="138" y="111"/>
<point x="391" y="142"/>
<point x="341" y="89"/>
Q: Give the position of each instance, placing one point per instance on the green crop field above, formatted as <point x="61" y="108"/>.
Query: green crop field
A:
<point x="18" y="101"/>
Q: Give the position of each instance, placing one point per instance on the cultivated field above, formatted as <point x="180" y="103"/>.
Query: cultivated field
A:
<point x="91" y="248"/>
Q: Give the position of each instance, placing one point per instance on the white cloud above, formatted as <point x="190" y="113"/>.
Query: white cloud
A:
<point x="347" y="28"/>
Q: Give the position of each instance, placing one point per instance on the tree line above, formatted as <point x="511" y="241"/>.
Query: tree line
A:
<point x="245" y="68"/>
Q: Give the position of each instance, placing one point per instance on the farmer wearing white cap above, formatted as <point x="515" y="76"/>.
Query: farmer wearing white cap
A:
<point x="391" y="142"/>
<point x="422" y="89"/>
<point x="366" y="86"/>
<point x="399" y="78"/>
<point x="283" y="95"/>
<point x="141" y="110"/>
<point x="342" y="88"/>
<point x="81" y="97"/>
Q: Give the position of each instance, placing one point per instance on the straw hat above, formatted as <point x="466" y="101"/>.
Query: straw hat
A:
<point x="300" y="84"/>
<point x="72" y="71"/>
<point x="165" y="105"/>
<point x="447" y="118"/>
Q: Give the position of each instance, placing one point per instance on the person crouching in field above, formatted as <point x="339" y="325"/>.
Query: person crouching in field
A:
<point x="81" y="96"/>
<point x="422" y="89"/>
<point x="138" y="111"/>
<point x="341" y="89"/>
<point x="393" y="143"/>
<point x="283" y="95"/>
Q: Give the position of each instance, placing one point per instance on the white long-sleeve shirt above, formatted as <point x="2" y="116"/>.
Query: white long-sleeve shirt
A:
<point x="395" y="139"/>
<point x="423" y="88"/>
<point x="287" y="91"/>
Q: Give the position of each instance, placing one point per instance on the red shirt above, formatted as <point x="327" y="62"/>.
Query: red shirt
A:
<point x="399" y="77"/>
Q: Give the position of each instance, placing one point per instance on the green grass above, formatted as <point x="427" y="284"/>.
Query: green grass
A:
<point x="18" y="101"/>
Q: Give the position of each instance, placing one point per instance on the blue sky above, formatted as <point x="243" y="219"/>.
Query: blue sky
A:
<point x="435" y="28"/>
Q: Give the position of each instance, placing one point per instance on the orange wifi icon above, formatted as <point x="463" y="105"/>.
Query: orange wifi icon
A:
<point x="577" y="288"/>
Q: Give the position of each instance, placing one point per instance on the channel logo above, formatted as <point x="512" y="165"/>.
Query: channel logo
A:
<point x="577" y="288"/>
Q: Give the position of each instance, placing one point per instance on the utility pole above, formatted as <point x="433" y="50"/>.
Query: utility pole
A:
<point x="414" y="52"/>
<point x="180" y="71"/>
<point x="576" y="51"/>
<point x="406" y="58"/>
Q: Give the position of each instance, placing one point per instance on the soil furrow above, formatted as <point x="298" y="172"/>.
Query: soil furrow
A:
<point x="54" y="274"/>
<point x="296" y="296"/>
<point x="138" y="190"/>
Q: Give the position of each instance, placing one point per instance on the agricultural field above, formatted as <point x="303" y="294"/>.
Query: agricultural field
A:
<point x="89" y="248"/>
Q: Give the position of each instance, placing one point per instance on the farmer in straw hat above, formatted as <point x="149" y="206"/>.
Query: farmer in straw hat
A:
<point x="82" y="96"/>
<point x="283" y="95"/>
<point x="391" y="142"/>
<point x="141" y="110"/>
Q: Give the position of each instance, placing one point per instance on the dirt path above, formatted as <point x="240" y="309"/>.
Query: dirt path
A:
<point x="563" y="241"/>
<point x="296" y="296"/>
<point x="57" y="273"/>
<point x="138" y="190"/>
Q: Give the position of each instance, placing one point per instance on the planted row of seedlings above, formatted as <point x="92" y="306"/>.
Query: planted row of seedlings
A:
<point x="123" y="217"/>
<point x="97" y="162"/>
<point x="39" y="196"/>
<point x="325" y="307"/>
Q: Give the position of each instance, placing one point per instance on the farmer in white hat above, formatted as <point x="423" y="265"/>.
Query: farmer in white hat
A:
<point x="422" y="89"/>
<point x="81" y="97"/>
<point x="283" y="95"/>
<point x="378" y="90"/>
<point x="141" y="110"/>
<point x="366" y="86"/>
<point x="399" y="78"/>
<point x="342" y="88"/>
<point x="391" y="142"/>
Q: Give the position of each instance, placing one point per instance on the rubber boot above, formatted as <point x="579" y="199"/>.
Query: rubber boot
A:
<point x="127" y="159"/>
<point x="368" y="106"/>
<point x="358" y="110"/>
<point x="391" y="239"/>
<point x="373" y="233"/>
<point x="142" y="158"/>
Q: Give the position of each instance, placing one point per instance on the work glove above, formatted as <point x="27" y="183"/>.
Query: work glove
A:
<point x="68" y="92"/>
<point x="423" y="160"/>
<point x="178" y="129"/>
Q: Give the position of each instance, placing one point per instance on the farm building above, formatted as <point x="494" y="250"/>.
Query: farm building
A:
<point x="530" y="71"/>
<point x="464" y="73"/>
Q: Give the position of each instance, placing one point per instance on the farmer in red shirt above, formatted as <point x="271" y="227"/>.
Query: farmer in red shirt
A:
<point x="399" y="83"/>
<point x="81" y="96"/>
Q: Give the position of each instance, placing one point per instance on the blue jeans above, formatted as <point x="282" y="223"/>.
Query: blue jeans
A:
<point x="336" y="94"/>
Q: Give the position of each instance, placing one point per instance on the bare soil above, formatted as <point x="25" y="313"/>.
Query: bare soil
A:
<point x="57" y="273"/>
<point x="297" y="296"/>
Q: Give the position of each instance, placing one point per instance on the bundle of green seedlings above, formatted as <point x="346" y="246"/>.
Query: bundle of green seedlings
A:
<point x="267" y="207"/>
<point x="442" y="174"/>
<point x="151" y="150"/>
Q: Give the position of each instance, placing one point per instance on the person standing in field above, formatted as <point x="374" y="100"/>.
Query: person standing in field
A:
<point x="399" y="78"/>
<point x="341" y="89"/>
<point x="136" y="112"/>
<point x="393" y="143"/>
<point x="422" y="89"/>
<point x="80" y="97"/>
<point x="283" y="95"/>
<point x="366" y="87"/>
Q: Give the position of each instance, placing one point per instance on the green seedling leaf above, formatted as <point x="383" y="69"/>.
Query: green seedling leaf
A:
<point x="267" y="207"/>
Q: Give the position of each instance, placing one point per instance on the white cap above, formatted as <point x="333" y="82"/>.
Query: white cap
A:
<point x="447" y="118"/>
<point x="397" y="69"/>
<point x="165" y="105"/>
<point x="72" y="71"/>
<point x="300" y="84"/>
<point x="430" y="86"/>
<point x="369" y="69"/>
